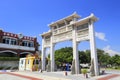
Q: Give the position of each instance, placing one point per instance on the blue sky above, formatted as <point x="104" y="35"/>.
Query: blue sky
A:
<point x="31" y="18"/>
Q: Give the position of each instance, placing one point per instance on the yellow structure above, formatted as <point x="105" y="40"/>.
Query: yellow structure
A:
<point x="31" y="63"/>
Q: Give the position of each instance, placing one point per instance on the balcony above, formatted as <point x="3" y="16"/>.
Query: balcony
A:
<point x="16" y="47"/>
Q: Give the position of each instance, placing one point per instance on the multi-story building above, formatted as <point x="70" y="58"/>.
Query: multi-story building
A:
<point x="17" y="45"/>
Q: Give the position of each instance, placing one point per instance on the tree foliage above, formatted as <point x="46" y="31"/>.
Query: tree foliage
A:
<point x="9" y="58"/>
<point x="115" y="60"/>
<point x="65" y="55"/>
<point x="84" y="57"/>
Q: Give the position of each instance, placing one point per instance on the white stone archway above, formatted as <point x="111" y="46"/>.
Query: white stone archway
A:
<point x="74" y="29"/>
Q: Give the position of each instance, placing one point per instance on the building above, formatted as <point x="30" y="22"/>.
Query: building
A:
<point x="12" y="45"/>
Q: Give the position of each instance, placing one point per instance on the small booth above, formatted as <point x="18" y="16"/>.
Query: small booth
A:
<point x="22" y="64"/>
<point x="31" y="62"/>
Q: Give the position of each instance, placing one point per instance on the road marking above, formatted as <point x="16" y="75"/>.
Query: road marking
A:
<point x="109" y="77"/>
<point x="19" y="75"/>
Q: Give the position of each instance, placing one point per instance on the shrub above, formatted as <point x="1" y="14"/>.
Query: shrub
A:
<point x="1" y="68"/>
<point x="9" y="58"/>
<point x="84" y="71"/>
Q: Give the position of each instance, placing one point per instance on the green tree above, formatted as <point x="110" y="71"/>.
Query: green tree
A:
<point x="88" y="56"/>
<point x="103" y="58"/>
<point x="115" y="60"/>
<point x="83" y="57"/>
<point x="64" y="55"/>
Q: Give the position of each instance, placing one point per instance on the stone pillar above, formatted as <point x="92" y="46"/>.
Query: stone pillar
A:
<point x="52" y="55"/>
<point x="75" y="51"/>
<point x="93" y="48"/>
<point x="43" y="55"/>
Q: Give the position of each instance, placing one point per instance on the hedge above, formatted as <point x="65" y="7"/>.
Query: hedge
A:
<point x="9" y="58"/>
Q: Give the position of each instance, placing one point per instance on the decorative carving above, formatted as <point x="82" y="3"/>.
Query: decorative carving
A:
<point x="82" y="33"/>
<point x="81" y="27"/>
<point x="69" y="28"/>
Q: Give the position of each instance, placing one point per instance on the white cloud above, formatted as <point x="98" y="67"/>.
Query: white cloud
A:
<point x="100" y="36"/>
<point x="107" y="49"/>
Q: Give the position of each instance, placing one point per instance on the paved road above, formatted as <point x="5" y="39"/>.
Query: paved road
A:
<point x="27" y="75"/>
<point x="14" y="76"/>
<point x="11" y="77"/>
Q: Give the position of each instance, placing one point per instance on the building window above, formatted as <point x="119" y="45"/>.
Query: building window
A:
<point x="3" y="40"/>
<point x="6" y="40"/>
<point x="28" y="61"/>
<point x="31" y="44"/>
<point x="21" y="61"/>
<point x="9" y="41"/>
<point x="13" y="41"/>
<point x="28" y="43"/>
<point x="25" y="43"/>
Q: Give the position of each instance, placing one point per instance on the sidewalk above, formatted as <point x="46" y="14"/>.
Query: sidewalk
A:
<point x="27" y="75"/>
<point x="47" y="75"/>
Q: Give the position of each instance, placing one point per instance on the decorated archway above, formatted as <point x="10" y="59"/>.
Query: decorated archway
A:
<point x="74" y="29"/>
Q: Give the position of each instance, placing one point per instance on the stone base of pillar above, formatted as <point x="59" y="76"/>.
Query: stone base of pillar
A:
<point x="55" y="67"/>
<point x="40" y="65"/>
<point x="99" y="69"/>
<point x="73" y="67"/>
<point x="92" y="71"/>
<point x="48" y="67"/>
<point x="80" y="70"/>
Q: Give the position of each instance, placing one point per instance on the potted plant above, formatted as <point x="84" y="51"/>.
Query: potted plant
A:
<point x="84" y="72"/>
